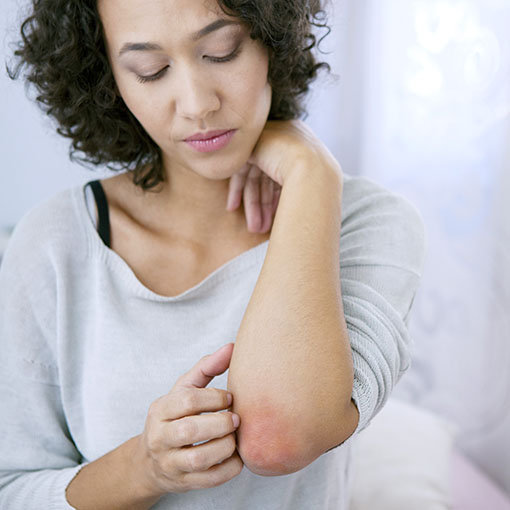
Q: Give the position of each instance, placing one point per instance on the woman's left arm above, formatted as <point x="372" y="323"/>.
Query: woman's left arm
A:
<point x="291" y="372"/>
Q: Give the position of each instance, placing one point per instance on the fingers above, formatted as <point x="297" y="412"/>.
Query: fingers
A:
<point x="266" y="202"/>
<point x="260" y="195"/>
<point x="190" y="430"/>
<point x="207" y="368"/>
<point x="251" y="199"/>
<point x="202" y="457"/>
<point x="235" y="188"/>
<point x="187" y="415"/>
<point x="185" y="402"/>
<point x="217" y="474"/>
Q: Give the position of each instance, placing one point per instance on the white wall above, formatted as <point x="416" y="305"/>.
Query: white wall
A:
<point x="35" y="161"/>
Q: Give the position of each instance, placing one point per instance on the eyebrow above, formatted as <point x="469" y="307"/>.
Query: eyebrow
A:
<point x="149" y="46"/>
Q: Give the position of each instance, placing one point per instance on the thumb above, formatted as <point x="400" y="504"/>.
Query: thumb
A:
<point x="207" y="368"/>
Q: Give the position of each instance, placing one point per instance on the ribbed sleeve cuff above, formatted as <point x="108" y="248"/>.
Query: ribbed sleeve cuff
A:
<point x="59" y="486"/>
<point x="362" y="397"/>
<point x="380" y="346"/>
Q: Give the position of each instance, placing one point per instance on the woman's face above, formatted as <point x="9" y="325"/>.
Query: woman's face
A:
<point x="183" y="67"/>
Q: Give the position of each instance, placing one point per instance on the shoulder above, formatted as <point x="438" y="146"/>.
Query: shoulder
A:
<point x="52" y="226"/>
<point x="380" y="226"/>
<point x="364" y="198"/>
<point x="39" y="254"/>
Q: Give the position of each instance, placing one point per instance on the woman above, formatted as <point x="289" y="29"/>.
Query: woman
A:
<point x="105" y="307"/>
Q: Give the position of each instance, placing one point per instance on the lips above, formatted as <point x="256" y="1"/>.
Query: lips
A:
<point x="210" y="141"/>
<point x="207" y="135"/>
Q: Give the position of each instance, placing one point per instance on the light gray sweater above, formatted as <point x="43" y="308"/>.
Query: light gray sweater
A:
<point x="85" y="347"/>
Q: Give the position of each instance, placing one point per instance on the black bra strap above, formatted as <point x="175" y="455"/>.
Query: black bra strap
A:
<point x="103" y="226"/>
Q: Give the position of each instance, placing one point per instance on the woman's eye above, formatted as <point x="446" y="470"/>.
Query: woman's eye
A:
<point x="159" y="74"/>
<point x="227" y="58"/>
<point x="152" y="77"/>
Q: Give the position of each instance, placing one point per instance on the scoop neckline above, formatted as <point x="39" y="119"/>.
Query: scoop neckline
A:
<point x="226" y="271"/>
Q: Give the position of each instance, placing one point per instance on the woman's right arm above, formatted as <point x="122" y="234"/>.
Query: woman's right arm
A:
<point x="38" y="457"/>
<point x="162" y="459"/>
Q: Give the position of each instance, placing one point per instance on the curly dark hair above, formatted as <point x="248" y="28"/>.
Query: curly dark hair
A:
<point x="63" y="48"/>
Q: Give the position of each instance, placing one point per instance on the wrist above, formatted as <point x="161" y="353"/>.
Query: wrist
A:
<point x="310" y="199"/>
<point x="315" y="170"/>
<point x="114" y="481"/>
<point x="139" y="470"/>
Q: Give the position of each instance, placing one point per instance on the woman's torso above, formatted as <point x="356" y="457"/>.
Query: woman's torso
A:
<point x="138" y="344"/>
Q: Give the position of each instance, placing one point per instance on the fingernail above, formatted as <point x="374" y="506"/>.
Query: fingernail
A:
<point x="229" y="398"/>
<point x="236" y="420"/>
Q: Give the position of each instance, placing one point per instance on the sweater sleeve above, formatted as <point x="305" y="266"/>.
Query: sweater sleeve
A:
<point x="38" y="458"/>
<point x="381" y="257"/>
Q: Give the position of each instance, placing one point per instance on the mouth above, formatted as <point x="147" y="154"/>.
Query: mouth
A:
<point x="211" y="140"/>
<point x="208" y="135"/>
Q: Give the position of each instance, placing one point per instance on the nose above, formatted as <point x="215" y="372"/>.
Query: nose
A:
<point x="197" y="96"/>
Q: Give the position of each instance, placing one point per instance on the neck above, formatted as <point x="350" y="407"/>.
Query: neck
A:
<point x="190" y="206"/>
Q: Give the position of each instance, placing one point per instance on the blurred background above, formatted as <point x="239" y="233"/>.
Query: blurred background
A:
<point x="419" y="102"/>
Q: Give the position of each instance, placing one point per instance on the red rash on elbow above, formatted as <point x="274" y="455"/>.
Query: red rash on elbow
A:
<point x="267" y="441"/>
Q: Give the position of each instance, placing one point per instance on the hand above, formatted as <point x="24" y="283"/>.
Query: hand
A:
<point x="167" y="457"/>
<point x="288" y="146"/>
<point x="260" y="197"/>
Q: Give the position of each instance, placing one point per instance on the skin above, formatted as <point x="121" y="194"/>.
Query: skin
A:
<point x="192" y="94"/>
<point x="267" y="429"/>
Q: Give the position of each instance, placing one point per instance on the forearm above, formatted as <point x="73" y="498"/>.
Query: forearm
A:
<point x="291" y="372"/>
<point x="110" y="483"/>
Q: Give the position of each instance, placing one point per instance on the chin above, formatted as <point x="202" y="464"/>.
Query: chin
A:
<point x="220" y="170"/>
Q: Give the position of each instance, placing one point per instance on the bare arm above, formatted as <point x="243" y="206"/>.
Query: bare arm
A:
<point x="291" y="372"/>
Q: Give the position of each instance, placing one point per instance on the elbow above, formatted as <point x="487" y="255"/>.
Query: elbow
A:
<point x="271" y="457"/>
<point x="268" y="458"/>
<point x="269" y="447"/>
